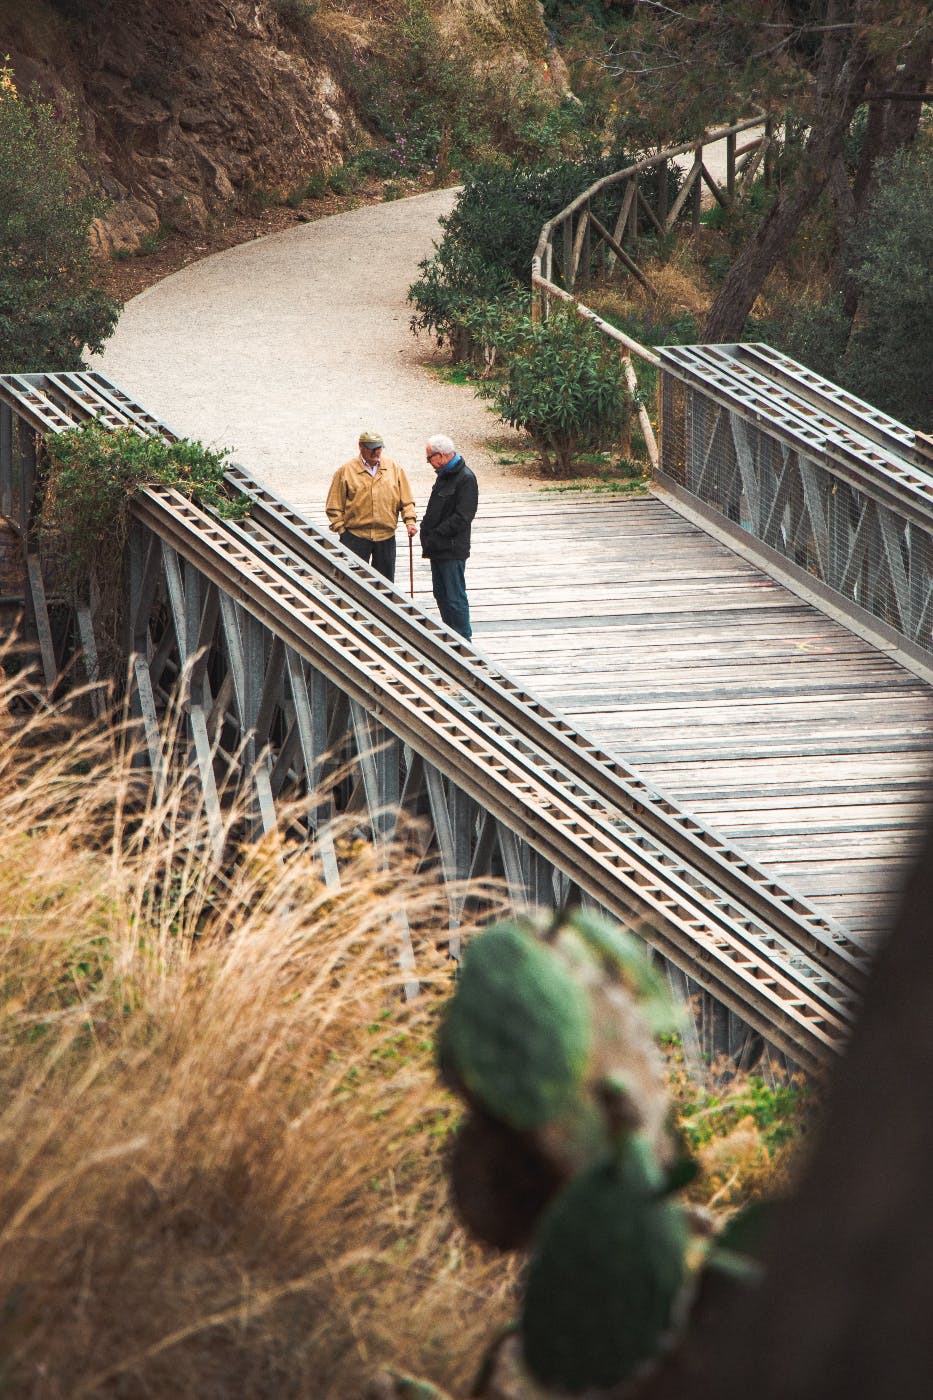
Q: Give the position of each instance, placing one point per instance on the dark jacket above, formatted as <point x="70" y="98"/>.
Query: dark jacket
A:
<point x="445" y="526"/>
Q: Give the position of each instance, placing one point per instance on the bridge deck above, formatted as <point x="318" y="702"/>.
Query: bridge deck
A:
<point x="797" y="740"/>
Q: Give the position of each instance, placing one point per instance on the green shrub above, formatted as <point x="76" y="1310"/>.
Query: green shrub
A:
<point x="316" y="185"/>
<point x="503" y="205"/>
<point x="91" y="474"/>
<point x="489" y="238"/>
<point x="889" y="353"/>
<point x="49" y="307"/>
<point x="565" y="387"/>
<point x="454" y="281"/>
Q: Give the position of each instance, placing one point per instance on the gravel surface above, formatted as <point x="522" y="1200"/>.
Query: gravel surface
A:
<point x="285" y="348"/>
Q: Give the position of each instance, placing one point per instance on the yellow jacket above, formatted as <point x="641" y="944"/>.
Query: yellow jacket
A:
<point x="369" y="506"/>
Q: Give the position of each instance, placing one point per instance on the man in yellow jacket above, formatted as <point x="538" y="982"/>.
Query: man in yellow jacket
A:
<point x="366" y="497"/>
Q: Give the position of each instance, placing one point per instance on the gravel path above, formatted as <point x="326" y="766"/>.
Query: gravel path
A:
<point x="285" y="348"/>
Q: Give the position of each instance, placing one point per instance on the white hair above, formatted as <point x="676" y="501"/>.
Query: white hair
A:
<point x="442" y="444"/>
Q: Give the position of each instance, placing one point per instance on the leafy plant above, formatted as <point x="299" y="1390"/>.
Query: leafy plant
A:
<point x="91" y="476"/>
<point x="50" y="308"/>
<point x="565" y="387"/>
<point x="453" y="284"/>
<point x="503" y="204"/>
<point x="887" y="359"/>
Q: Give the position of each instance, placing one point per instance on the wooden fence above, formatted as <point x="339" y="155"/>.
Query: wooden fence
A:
<point x="577" y="244"/>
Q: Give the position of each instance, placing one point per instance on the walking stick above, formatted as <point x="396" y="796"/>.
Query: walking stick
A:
<point x="411" y="564"/>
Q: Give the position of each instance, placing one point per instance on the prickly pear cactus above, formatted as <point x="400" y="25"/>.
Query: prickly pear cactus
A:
<point x="517" y="1030"/>
<point x="606" y="1274"/>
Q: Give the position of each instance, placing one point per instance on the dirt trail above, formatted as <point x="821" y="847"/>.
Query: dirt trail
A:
<point x="285" y="348"/>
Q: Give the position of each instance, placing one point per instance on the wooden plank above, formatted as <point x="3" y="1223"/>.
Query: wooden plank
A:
<point x="40" y="617"/>
<point x="794" y="737"/>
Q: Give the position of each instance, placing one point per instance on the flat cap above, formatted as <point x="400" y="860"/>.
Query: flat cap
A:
<point x="371" y="440"/>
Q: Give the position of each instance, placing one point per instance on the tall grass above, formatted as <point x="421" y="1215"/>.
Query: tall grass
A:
<point x="220" y="1125"/>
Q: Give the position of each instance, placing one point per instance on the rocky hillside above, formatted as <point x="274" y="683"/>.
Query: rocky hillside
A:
<point x="188" y="107"/>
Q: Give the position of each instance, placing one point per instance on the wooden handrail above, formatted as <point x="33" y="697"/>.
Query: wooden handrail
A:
<point x="633" y="199"/>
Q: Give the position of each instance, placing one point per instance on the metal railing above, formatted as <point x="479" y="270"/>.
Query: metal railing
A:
<point x="836" y="495"/>
<point x="288" y="657"/>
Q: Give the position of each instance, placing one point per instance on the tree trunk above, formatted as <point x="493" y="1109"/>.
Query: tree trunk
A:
<point x="894" y="115"/>
<point x="840" y="86"/>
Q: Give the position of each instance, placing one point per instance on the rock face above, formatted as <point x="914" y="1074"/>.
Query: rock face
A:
<point x="185" y="105"/>
<point x="188" y="106"/>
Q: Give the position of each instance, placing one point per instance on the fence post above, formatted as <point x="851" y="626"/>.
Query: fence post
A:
<point x="730" y="166"/>
<point x="662" y="194"/>
<point x="633" y="216"/>
<point x="697" y="190"/>
<point x="769" y="153"/>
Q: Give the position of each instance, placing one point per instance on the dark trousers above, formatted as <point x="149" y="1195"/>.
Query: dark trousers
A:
<point x="448" y="581"/>
<point x="379" y="553"/>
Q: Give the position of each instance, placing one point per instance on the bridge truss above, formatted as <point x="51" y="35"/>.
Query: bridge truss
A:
<point x="299" y="672"/>
<point x="832" y="494"/>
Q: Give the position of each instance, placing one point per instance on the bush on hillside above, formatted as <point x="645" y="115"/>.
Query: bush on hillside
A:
<point x="454" y="281"/>
<point x="491" y="234"/>
<point x="489" y="239"/>
<point x="50" y="308"/>
<point x="503" y="205"/>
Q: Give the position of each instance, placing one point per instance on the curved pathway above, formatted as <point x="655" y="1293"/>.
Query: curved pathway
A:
<point x="285" y="348"/>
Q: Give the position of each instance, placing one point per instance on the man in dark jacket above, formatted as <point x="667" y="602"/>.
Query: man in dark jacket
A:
<point x="445" y="530"/>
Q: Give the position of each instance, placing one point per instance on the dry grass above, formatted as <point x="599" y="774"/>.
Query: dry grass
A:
<point x="222" y="1167"/>
<point x="681" y="285"/>
<point x="220" y="1135"/>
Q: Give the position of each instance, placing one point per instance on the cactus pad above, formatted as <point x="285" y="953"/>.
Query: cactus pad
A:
<point x="605" y="1277"/>
<point x="518" y="1027"/>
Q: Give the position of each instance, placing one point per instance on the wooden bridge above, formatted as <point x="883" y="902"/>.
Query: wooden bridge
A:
<point x="651" y="725"/>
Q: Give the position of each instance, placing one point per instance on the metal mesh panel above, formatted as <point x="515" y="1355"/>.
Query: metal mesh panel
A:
<point x="802" y="507"/>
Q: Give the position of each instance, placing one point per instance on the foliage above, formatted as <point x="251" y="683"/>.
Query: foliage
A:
<point x="453" y="283"/>
<point x="581" y="1167"/>
<point x="815" y="333"/>
<point x="484" y="257"/>
<point x="565" y="387"/>
<point x="433" y="108"/>
<point x="884" y="354"/>
<point x="92" y="474"/>
<point x="503" y="204"/>
<point x="208" y="1077"/>
<point x="49" y="307"/>
<point x="889" y="354"/>
<point x="775" y="1109"/>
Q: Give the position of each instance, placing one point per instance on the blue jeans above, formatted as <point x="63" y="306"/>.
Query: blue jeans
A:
<point x="447" y="581"/>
